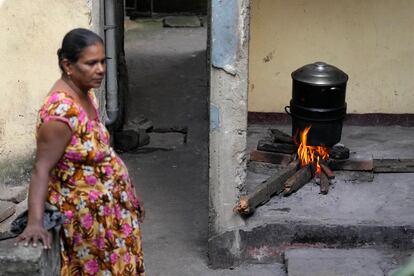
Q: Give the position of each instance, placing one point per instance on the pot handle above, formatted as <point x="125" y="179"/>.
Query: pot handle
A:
<point x="287" y="110"/>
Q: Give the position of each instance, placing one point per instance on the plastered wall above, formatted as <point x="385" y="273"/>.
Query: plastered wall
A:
<point x="371" y="40"/>
<point x="31" y="33"/>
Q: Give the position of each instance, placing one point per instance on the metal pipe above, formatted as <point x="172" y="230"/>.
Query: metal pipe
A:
<point x="112" y="109"/>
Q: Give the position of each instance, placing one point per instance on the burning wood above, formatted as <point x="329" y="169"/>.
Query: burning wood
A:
<point x="325" y="169"/>
<point x="324" y="183"/>
<point x="263" y="192"/>
<point x="299" y="179"/>
<point x="270" y="157"/>
<point x="265" y="145"/>
<point x="309" y="154"/>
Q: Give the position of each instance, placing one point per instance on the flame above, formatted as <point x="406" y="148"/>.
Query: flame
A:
<point x="310" y="154"/>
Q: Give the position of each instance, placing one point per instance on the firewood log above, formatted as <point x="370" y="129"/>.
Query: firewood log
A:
<point x="265" y="145"/>
<point x="280" y="137"/>
<point x="324" y="183"/>
<point x="264" y="191"/>
<point x="299" y="179"/>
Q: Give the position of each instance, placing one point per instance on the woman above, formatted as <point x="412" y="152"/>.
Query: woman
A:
<point x="77" y="171"/>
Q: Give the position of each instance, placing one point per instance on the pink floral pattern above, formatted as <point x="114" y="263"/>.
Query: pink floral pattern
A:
<point x="91" y="186"/>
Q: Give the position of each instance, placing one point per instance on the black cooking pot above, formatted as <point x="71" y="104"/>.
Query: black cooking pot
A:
<point x="318" y="101"/>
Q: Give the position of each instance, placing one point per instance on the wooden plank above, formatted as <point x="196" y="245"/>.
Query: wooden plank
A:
<point x="280" y="137"/>
<point x="351" y="164"/>
<point x="298" y="180"/>
<point x="265" y="145"/>
<point x="324" y="183"/>
<point x="264" y="191"/>
<point x="270" y="157"/>
<point x="394" y="165"/>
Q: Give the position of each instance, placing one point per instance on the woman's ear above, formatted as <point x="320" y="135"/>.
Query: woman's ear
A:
<point x="67" y="66"/>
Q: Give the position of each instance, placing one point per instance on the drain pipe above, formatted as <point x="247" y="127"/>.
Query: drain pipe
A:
<point x="111" y="65"/>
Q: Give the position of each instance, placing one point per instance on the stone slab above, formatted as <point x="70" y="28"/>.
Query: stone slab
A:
<point x="21" y="261"/>
<point x="340" y="262"/>
<point x="6" y="209"/>
<point x="14" y="194"/>
<point x="181" y="21"/>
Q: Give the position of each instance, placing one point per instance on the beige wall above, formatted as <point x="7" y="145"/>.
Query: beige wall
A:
<point x="371" y="40"/>
<point x="31" y="32"/>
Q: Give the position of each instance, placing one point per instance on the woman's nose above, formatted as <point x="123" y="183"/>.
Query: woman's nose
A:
<point x="101" y="68"/>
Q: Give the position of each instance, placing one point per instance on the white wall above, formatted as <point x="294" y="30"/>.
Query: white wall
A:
<point x="31" y="33"/>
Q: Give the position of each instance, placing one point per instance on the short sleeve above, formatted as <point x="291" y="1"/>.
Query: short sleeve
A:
<point x="60" y="107"/>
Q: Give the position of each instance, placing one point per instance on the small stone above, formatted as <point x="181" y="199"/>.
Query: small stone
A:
<point x="339" y="151"/>
<point x="14" y="194"/>
<point x="5" y="232"/>
<point x="126" y="140"/>
<point x="139" y="124"/>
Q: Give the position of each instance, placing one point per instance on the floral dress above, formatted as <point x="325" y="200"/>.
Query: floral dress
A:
<point x="91" y="187"/>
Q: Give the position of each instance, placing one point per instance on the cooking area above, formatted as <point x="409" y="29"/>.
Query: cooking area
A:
<point x="318" y="182"/>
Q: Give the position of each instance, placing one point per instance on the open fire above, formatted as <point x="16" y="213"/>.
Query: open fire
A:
<point x="310" y="154"/>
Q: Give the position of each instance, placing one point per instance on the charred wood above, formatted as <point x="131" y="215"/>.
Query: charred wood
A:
<point x="324" y="183"/>
<point x="263" y="192"/>
<point x="270" y="157"/>
<point x="351" y="164"/>
<point x="265" y="145"/>
<point x="325" y="168"/>
<point x="394" y="165"/>
<point x="280" y="137"/>
<point x="298" y="180"/>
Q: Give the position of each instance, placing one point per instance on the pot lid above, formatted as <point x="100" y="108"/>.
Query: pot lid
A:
<point x="320" y="73"/>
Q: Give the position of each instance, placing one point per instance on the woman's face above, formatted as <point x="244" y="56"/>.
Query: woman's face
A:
<point x="89" y="71"/>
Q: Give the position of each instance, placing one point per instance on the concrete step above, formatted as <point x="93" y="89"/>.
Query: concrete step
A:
<point x="22" y="261"/>
<point x="342" y="262"/>
<point x="353" y="214"/>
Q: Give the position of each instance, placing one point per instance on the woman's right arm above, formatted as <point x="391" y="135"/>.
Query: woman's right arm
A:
<point x="52" y="139"/>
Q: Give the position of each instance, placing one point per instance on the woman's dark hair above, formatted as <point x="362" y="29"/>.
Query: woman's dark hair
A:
<point x="74" y="42"/>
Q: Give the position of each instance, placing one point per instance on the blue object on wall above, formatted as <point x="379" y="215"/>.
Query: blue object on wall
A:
<point x="214" y="117"/>
<point x="225" y="34"/>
